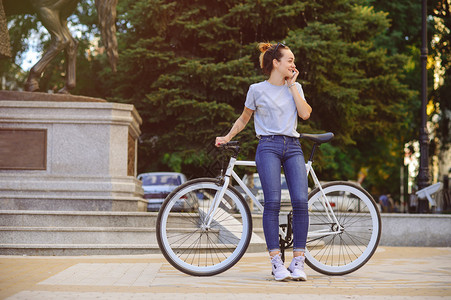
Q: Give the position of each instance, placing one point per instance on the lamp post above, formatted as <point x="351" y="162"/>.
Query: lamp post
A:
<point x="423" y="175"/>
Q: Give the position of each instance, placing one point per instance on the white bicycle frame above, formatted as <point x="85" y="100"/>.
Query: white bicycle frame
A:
<point x="231" y="173"/>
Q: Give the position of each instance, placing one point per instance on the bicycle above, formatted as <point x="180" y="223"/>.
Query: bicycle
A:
<point x="344" y="230"/>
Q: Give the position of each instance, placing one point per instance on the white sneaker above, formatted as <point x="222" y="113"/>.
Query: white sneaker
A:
<point x="297" y="268"/>
<point x="278" y="269"/>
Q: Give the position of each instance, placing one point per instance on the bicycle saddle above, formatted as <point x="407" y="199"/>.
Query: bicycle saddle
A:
<point x="318" y="138"/>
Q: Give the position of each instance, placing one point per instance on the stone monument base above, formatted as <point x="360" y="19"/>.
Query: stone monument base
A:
<point x="68" y="153"/>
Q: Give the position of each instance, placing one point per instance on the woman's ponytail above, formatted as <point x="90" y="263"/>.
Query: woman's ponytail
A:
<point x="263" y="47"/>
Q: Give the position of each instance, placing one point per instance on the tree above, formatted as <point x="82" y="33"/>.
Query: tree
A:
<point x="405" y="36"/>
<point x="20" y="29"/>
<point x="441" y="51"/>
<point x="187" y="65"/>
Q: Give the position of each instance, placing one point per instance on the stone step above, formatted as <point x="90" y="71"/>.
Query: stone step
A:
<point x="77" y="219"/>
<point x="90" y="249"/>
<point x="96" y="235"/>
<point x="76" y="235"/>
<point x="21" y="218"/>
<point x="77" y="249"/>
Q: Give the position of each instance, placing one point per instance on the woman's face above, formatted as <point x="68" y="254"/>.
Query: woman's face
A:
<point x="285" y="65"/>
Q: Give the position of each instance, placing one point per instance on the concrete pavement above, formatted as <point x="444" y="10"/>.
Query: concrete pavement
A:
<point x="395" y="272"/>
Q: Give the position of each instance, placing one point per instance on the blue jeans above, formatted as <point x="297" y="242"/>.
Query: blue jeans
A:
<point x="274" y="152"/>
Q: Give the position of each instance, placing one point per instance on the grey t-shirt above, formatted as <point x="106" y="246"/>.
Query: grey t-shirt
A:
<point x="274" y="109"/>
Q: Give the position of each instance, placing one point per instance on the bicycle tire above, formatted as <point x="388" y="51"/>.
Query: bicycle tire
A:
<point x="358" y="214"/>
<point x="185" y="241"/>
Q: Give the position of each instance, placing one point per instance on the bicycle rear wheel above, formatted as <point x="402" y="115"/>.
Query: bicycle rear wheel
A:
<point x="189" y="243"/>
<point x="339" y="250"/>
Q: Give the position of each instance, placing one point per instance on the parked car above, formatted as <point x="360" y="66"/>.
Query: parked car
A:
<point x="158" y="185"/>
<point x="258" y="192"/>
<point x="341" y="201"/>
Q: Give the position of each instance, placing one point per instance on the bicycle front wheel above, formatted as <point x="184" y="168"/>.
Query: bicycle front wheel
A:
<point x="198" y="242"/>
<point x="344" y="234"/>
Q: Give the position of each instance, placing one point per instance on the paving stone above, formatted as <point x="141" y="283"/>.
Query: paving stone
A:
<point x="393" y="272"/>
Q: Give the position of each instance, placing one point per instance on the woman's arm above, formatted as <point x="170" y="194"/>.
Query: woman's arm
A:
<point x="239" y="125"/>
<point x="304" y="109"/>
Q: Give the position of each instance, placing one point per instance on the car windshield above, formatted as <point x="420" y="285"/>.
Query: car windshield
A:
<point x="161" y="179"/>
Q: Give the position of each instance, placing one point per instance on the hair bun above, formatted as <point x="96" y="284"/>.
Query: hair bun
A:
<point x="263" y="47"/>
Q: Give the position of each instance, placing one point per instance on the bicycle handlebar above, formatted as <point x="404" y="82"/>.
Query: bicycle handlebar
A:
<point x="232" y="145"/>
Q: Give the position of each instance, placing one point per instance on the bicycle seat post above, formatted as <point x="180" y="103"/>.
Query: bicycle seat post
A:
<point x="313" y="152"/>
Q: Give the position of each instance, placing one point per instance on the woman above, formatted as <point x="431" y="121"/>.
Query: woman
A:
<point x="277" y="102"/>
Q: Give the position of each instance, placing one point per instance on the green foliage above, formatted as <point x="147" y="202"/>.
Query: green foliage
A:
<point x="441" y="49"/>
<point x="187" y="66"/>
<point x="21" y="28"/>
<point x="404" y="36"/>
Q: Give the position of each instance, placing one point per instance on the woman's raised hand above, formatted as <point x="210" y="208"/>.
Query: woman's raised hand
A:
<point x="293" y="78"/>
